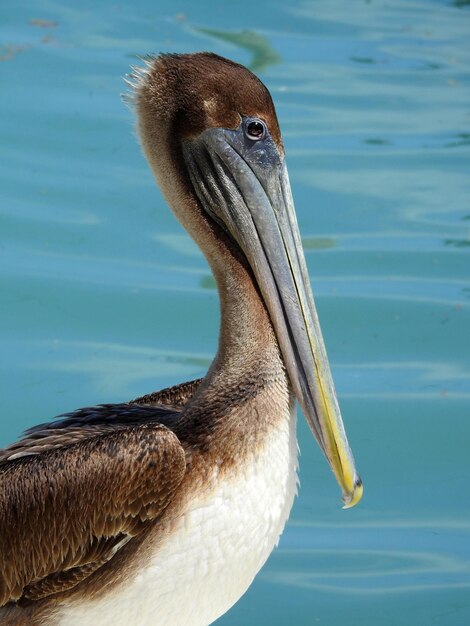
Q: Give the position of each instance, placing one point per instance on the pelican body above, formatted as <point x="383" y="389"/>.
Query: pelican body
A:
<point x="160" y="511"/>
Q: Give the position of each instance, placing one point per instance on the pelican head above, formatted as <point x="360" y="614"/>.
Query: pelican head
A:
<point x="210" y="132"/>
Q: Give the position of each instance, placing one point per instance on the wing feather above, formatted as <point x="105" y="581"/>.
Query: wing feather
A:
<point x="66" y="509"/>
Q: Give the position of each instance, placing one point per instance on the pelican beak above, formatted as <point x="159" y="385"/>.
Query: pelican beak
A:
<point x="245" y="187"/>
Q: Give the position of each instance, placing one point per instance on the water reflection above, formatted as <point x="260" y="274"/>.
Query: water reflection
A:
<point x="387" y="558"/>
<point x="377" y="141"/>
<point x="178" y="242"/>
<point x="318" y="243"/>
<point x="9" y="51"/>
<point x="263" y="55"/>
<point x="366" y="60"/>
<point x="457" y="243"/>
<point x="115" y="368"/>
<point x="208" y="282"/>
<point x="412" y="380"/>
<point x="460" y="139"/>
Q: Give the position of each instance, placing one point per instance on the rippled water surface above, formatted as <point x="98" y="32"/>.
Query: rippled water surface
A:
<point x="104" y="297"/>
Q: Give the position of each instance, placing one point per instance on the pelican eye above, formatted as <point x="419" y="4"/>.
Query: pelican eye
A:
<point x="255" y="130"/>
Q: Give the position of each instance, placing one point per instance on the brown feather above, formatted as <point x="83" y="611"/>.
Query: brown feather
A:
<point x="86" y="423"/>
<point x="172" y="397"/>
<point x="69" y="577"/>
<point x="64" y="508"/>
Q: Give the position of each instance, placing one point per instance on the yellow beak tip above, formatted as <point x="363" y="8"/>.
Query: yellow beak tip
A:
<point x="351" y="499"/>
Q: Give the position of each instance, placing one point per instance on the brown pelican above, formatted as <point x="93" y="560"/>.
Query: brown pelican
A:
<point x="161" y="511"/>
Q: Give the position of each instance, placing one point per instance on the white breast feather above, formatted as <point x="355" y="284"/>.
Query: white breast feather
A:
<point x="210" y="561"/>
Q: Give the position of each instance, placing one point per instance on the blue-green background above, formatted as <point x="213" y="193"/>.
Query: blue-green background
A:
<point x="104" y="297"/>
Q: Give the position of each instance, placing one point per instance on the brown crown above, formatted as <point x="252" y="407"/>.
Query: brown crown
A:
<point x="192" y="92"/>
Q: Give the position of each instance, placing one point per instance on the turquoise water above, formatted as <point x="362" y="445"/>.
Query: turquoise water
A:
<point x="103" y="296"/>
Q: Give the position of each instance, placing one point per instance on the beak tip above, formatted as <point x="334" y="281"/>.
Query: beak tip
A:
<point x="351" y="499"/>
